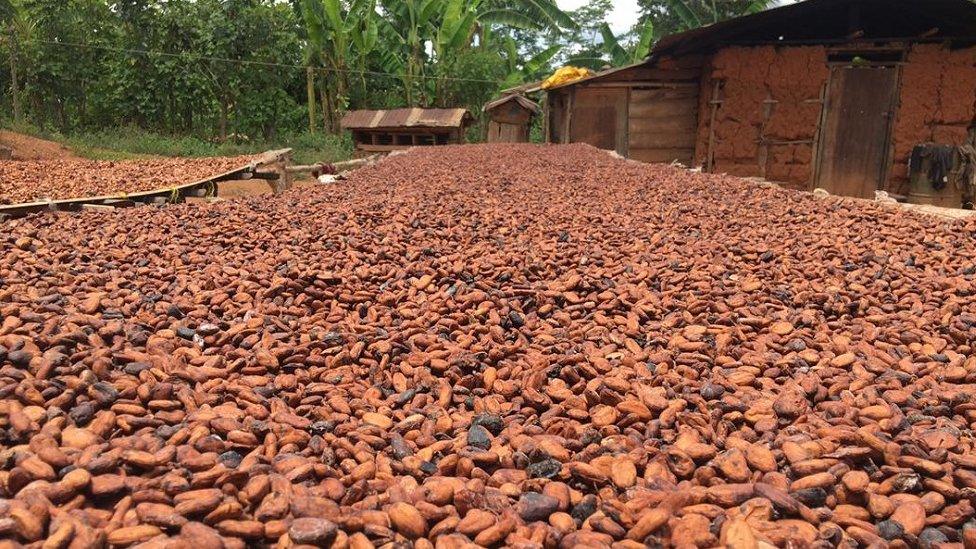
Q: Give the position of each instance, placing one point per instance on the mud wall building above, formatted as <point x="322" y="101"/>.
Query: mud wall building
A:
<point x="822" y="93"/>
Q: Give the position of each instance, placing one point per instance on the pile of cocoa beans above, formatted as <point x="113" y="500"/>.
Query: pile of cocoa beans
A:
<point x="499" y="345"/>
<point x="35" y="180"/>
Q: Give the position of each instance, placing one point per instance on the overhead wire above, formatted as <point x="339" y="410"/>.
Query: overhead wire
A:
<point x="267" y="64"/>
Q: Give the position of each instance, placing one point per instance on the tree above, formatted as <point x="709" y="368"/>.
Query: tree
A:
<point x="672" y="16"/>
<point x="15" y="27"/>
<point x="428" y="36"/>
<point x="341" y="37"/>
<point x="625" y="54"/>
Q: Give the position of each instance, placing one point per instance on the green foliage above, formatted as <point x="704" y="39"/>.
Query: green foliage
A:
<point x="208" y="76"/>
<point x="125" y="143"/>
<point x="671" y="16"/>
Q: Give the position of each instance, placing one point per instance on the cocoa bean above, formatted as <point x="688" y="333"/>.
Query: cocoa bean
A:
<point x="501" y="345"/>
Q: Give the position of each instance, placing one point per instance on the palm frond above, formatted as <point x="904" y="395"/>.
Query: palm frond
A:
<point x="686" y="13"/>
<point x="509" y="18"/>
<point x="644" y="41"/>
<point x="610" y="43"/>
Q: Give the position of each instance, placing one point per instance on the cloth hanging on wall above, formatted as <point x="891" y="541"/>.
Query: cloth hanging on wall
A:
<point x="942" y="159"/>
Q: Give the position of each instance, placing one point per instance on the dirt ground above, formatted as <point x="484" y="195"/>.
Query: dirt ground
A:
<point x="238" y="189"/>
<point x="25" y="147"/>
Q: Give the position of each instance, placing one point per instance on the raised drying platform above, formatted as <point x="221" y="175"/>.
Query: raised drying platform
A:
<point x="278" y="179"/>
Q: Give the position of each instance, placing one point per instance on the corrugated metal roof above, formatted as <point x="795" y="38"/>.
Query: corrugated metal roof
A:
<point x="406" y="118"/>
<point x="597" y="75"/>
<point x="524" y="102"/>
<point x="830" y="21"/>
<point x="529" y="87"/>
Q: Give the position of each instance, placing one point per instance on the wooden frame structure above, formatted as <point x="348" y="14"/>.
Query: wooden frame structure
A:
<point x="510" y="119"/>
<point x="641" y="111"/>
<point x="270" y="166"/>
<point x="397" y="129"/>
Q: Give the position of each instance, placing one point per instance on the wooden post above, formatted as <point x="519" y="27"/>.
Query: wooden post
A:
<point x="768" y="105"/>
<point x="818" y="135"/>
<point x="714" y="103"/>
<point x="14" y="83"/>
<point x="569" y="116"/>
<point x="310" y="92"/>
<point x="546" y="138"/>
<point x="284" y="177"/>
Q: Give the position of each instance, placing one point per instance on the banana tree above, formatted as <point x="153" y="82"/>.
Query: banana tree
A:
<point x="521" y="71"/>
<point x="619" y="53"/>
<point x="409" y="24"/>
<point x="694" y="14"/>
<point x="429" y="34"/>
<point x="454" y="31"/>
<point x="522" y="14"/>
<point x="341" y="37"/>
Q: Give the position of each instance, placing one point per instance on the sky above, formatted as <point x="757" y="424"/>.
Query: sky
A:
<point x="622" y="18"/>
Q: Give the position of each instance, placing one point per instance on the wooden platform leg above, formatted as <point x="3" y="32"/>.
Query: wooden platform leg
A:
<point x="284" y="178"/>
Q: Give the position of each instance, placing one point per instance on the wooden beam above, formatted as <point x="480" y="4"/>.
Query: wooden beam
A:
<point x="715" y="102"/>
<point x="97" y="207"/>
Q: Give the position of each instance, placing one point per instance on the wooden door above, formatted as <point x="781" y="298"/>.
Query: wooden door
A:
<point x="599" y="117"/>
<point x="854" y="143"/>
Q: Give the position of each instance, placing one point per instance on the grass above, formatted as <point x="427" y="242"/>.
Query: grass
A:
<point x="131" y="143"/>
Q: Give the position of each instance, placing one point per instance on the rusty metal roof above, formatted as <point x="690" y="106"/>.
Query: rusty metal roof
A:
<point x="524" y="102"/>
<point x="597" y="75"/>
<point x="831" y="22"/>
<point x="406" y="118"/>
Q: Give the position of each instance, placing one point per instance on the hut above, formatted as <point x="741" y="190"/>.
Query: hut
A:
<point x="390" y="130"/>
<point x="835" y="94"/>
<point x="510" y="119"/>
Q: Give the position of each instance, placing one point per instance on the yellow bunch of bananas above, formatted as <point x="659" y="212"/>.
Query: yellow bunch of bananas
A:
<point x="564" y="75"/>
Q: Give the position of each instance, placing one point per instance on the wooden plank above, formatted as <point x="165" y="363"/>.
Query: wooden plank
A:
<point x="665" y="107"/>
<point x="683" y="130"/>
<point x="674" y="123"/>
<point x="647" y="96"/>
<point x="97" y="208"/>
<point x="600" y="118"/>
<point x="381" y="148"/>
<point x="662" y="139"/>
<point x="683" y="155"/>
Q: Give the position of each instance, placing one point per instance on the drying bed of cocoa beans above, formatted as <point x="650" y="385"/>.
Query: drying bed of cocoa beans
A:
<point x="502" y="345"/>
<point x="34" y="180"/>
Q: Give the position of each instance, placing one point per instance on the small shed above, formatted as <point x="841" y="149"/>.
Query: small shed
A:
<point x="833" y="94"/>
<point x="510" y="119"/>
<point x="390" y="130"/>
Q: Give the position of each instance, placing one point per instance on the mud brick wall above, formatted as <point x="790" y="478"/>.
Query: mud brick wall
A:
<point x="794" y="78"/>
<point x="937" y="104"/>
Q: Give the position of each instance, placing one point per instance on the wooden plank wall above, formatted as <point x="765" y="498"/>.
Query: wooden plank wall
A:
<point x="600" y="118"/>
<point x="659" y="122"/>
<point x="663" y="124"/>
<point x="500" y="132"/>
